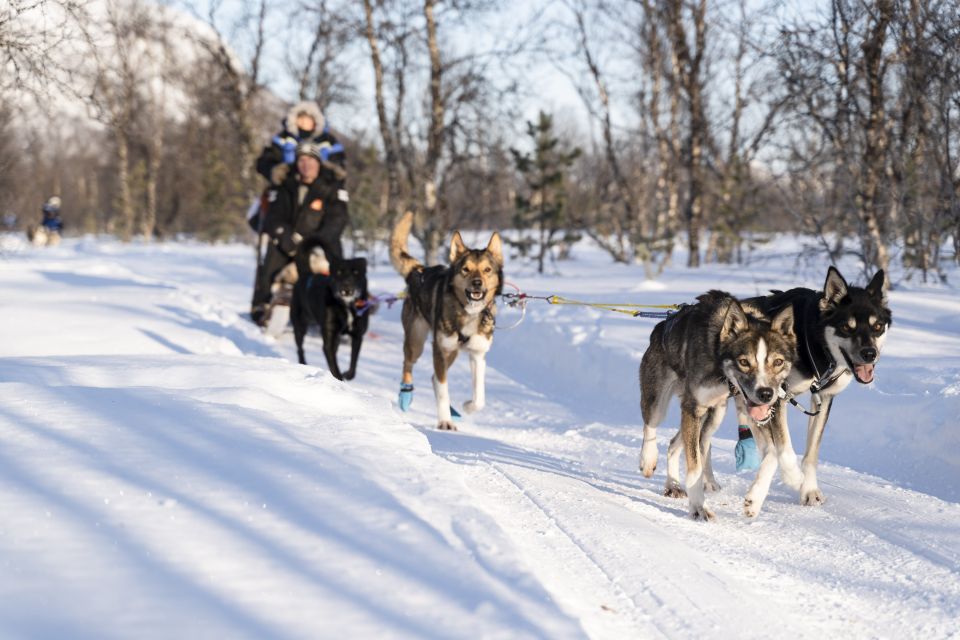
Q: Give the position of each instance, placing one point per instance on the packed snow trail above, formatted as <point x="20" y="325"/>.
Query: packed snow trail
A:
<point x="165" y="469"/>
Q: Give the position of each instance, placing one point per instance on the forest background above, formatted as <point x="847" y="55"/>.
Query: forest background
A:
<point x="643" y="124"/>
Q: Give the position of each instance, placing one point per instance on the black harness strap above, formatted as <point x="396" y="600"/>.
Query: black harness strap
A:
<point x="824" y="367"/>
<point x="794" y="402"/>
<point x="484" y="315"/>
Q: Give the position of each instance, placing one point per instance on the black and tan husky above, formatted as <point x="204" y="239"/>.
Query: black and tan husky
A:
<point x="840" y="333"/>
<point x="705" y="353"/>
<point x="456" y="304"/>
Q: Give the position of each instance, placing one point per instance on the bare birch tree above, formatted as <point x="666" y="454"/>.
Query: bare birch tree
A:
<point x="688" y="67"/>
<point x="241" y="83"/>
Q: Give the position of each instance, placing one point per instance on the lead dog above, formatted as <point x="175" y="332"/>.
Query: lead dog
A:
<point x="456" y="304"/>
<point x="704" y="354"/>
<point x="840" y="333"/>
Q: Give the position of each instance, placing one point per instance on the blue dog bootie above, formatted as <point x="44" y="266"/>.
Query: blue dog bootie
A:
<point x="748" y="458"/>
<point x="406" y="396"/>
<point x="454" y="414"/>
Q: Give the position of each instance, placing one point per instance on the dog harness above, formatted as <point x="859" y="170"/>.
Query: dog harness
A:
<point x="485" y="315"/>
<point x="821" y="381"/>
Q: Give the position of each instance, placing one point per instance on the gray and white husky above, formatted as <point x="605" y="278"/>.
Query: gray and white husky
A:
<point x="705" y="353"/>
<point x="840" y="333"/>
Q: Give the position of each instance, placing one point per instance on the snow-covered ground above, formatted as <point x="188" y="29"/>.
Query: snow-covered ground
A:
<point x="165" y="470"/>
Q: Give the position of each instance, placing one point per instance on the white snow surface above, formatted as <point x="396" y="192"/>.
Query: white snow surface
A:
<point x="167" y="471"/>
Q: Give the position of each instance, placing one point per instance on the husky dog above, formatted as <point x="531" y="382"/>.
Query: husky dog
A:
<point x="703" y="354"/>
<point x="455" y="303"/>
<point x="331" y="302"/>
<point x="840" y="333"/>
<point x="40" y="236"/>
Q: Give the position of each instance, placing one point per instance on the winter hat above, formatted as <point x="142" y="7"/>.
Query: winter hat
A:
<point x="52" y="205"/>
<point x="309" y="149"/>
<point x="312" y="110"/>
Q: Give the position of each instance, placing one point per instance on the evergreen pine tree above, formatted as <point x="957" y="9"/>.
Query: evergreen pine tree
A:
<point x="540" y="206"/>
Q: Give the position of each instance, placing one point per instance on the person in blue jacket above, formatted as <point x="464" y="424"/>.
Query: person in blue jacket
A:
<point x="305" y="204"/>
<point x="304" y="124"/>
<point x="52" y="222"/>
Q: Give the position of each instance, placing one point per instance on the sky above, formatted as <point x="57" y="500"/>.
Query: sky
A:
<point x="545" y="86"/>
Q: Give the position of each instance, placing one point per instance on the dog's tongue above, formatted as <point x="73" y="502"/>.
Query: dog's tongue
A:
<point x="864" y="372"/>
<point x="759" y="412"/>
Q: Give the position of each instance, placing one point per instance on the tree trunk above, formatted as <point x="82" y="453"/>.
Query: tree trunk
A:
<point x="392" y="204"/>
<point x="875" y="150"/>
<point x="661" y="228"/>
<point x="149" y="221"/>
<point x="435" y="137"/>
<point x="123" y="176"/>
<point x="688" y="68"/>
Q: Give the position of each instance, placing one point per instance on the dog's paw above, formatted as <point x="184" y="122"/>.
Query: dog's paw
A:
<point x="711" y="485"/>
<point x="446" y="425"/>
<point x="812" y="497"/>
<point x="674" y="490"/>
<point x="472" y="407"/>
<point x="350" y="375"/>
<point x="702" y="513"/>
<point x="648" y="459"/>
<point x="750" y="508"/>
<point x="792" y="477"/>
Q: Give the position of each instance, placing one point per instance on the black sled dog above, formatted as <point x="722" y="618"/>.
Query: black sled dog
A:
<point x="335" y="302"/>
<point x="455" y="303"/>
<point x="840" y="333"/>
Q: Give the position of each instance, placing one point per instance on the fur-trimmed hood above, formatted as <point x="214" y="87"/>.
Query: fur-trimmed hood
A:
<point x="309" y="107"/>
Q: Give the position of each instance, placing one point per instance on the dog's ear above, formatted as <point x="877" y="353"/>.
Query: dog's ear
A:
<point x="834" y="289"/>
<point x="495" y="247"/>
<point x="457" y="248"/>
<point x="782" y="323"/>
<point x="734" y="322"/>
<point x="877" y="285"/>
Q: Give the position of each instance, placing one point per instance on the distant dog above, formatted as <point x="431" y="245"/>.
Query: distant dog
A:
<point x="705" y="353"/>
<point x="335" y="302"/>
<point x="40" y="236"/>
<point x="455" y="303"/>
<point x="840" y="333"/>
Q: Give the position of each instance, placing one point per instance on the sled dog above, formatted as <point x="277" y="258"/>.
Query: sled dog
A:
<point x="331" y="301"/>
<point x="840" y="333"/>
<point x="456" y="304"/>
<point x="40" y="236"/>
<point x="705" y="353"/>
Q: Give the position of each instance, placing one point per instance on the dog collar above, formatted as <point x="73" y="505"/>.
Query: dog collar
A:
<point x="830" y="374"/>
<point x="824" y="361"/>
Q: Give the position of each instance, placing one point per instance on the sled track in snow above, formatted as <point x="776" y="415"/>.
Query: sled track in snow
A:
<point x="553" y="540"/>
<point x="876" y="519"/>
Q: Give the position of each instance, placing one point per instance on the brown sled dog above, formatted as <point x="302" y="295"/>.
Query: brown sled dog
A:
<point x="455" y="303"/>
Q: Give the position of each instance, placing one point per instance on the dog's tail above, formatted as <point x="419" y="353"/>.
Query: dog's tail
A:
<point x="401" y="259"/>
